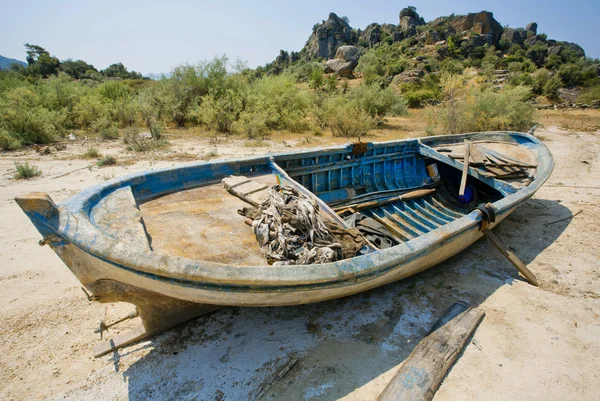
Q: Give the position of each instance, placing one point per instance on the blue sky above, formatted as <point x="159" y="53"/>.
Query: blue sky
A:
<point x="154" y="36"/>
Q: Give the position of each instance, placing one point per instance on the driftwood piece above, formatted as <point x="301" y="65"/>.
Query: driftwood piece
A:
<point x="421" y="374"/>
<point x="564" y="218"/>
<point x="512" y="258"/>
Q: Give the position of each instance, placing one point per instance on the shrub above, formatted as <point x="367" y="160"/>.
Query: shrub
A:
<point x="316" y="79"/>
<point x="105" y="128"/>
<point x="107" y="161"/>
<point x="347" y="120"/>
<point x="506" y="110"/>
<point x="8" y="142"/>
<point x="283" y="104"/>
<point x="588" y="95"/>
<point x="141" y="143"/>
<point x="331" y="83"/>
<point x="539" y="79"/>
<point x="253" y="125"/>
<point x="377" y="102"/>
<point x="91" y="153"/>
<point x="551" y="87"/>
<point x="417" y="96"/>
<point x="220" y="112"/>
<point x="467" y="108"/>
<point x="25" y="171"/>
<point x="27" y="120"/>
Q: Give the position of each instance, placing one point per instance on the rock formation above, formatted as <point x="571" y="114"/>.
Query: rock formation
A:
<point x="328" y="36"/>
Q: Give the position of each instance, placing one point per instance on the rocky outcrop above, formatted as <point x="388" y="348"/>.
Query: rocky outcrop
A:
<point x="512" y="36"/>
<point x="559" y="47"/>
<point x="345" y="61"/>
<point x="409" y="21"/>
<point x="482" y="23"/>
<point x="532" y="27"/>
<point x="285" y="57"/>
<point x="371" y="35"/>
<point x="328" y="36"/>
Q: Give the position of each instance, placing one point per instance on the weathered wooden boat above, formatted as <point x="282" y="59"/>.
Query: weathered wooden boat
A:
<point x="170" y="241"/>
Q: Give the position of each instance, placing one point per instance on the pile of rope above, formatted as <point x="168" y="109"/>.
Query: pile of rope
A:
<point x="290" y="230"/>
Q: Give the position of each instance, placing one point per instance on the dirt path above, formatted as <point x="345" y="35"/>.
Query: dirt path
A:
<point x="534" y="343"/>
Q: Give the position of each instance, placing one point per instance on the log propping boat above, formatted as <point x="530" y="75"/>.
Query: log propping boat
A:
<point x="170" y="241"/>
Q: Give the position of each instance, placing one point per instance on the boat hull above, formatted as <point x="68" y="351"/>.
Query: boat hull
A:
<point x="96" y="258"/>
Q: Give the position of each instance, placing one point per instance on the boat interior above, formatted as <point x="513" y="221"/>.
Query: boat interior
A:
<point x="189" y="212"/>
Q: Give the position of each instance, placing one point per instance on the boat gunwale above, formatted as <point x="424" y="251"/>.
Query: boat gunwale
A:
<point x="77" y="229"/>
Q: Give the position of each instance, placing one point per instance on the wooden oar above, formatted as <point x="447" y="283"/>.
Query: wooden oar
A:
<point x="419" y="193"/>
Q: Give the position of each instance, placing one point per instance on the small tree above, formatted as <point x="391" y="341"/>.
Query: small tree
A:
<point x="316" y="79"/>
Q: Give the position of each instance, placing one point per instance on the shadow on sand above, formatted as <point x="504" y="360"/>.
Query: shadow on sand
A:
<point x="340" y="345"/>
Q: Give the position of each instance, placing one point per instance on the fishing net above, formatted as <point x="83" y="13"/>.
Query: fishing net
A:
<point x="290" y="230"/>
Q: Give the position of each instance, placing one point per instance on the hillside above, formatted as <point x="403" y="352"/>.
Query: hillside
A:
<point x="5" y="62"/>
<point x="409" y="51"/>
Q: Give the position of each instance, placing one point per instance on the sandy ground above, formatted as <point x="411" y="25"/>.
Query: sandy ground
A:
<point x="534" y="343"/>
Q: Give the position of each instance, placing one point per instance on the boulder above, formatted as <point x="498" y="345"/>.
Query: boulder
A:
<point x="348" y="53"/>
<point x="328" y="36"/>
<point x="535" y="39"/>
<point x="512" y="36"/>
<point x="409" y="76"/>
<point x="371" y="34"/>
<point x="409" y="20"/>
<point x="432" y="37"/>
<point x="341" y="67"/>
<point x="481" y="23"/>
<point x="409" y="12"/>
<point x="532" y="27"/>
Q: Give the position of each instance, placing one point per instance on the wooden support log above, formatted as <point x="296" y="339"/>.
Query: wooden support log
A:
<point x="512" y="258"/>
<point x="421" y="374"/>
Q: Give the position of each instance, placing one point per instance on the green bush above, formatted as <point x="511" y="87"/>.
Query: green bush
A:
<point x="317" y="79"/>
<point x="91" y="153"/>
<point x="27" y="120"/>
<point x="105" y="128"/>
<point x="25" y="171"/>
<point x="589" y="95"/>
<point x="377" y="102"/>
<point x="254" y="125"/>
<point x="346" y="119"/>
<point x="8" y="142"/>
<point x="220" y="112"/>
<point x="107" y="161"/>
<point x="551" y="87"/>
<point x="284" y="105"/>
<point x="467" y="109"/>
<point x="419" y="97"/>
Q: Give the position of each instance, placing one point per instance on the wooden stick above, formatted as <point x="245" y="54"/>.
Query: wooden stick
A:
<point x="463" y="180"/>
<point x="421" y="374"/>
<point x="564" y="218"/>
<point x="512" y="258"/>
<point x="419" y="193"/>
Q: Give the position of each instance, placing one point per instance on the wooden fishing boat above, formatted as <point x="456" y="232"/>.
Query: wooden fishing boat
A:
<point x="171" y="242"/>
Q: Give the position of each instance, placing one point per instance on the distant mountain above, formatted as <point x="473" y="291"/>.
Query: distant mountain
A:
<point x="5" y="62"/>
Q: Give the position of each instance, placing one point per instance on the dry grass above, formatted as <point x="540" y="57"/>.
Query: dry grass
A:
<point x="573" y="120"/>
